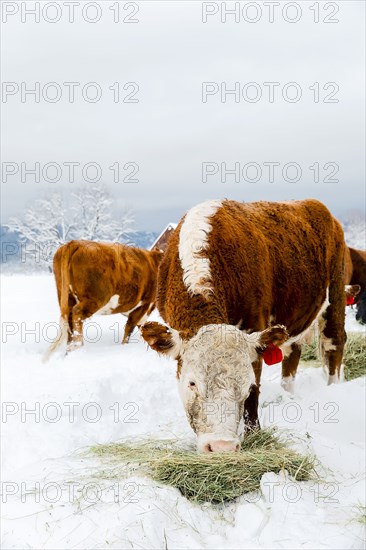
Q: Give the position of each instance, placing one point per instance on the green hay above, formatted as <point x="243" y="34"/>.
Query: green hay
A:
<point x="354" y="357"/>
<point x="213" y="477"/>
<point x="309" y="352"/>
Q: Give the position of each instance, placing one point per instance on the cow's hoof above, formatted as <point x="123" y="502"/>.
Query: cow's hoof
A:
<point x="288" y="383"/>
<point x="341" y="373"/>
<point x="333" y="379"/>
<point x="73" y="347"/>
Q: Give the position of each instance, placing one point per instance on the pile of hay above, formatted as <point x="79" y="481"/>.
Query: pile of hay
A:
<point x="309" y="352"/>
<point x="213" y="477"/>
<point x="354" y="357"/>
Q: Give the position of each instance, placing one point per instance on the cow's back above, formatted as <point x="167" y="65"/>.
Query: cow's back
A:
<point x="99" y="270"/>
<point x="268" y="262"/>
<point x="102" y="270"/>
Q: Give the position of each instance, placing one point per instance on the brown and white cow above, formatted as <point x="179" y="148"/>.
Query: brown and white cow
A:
<point x="356" y="276"/>
<point x="233" y="277"/>
<point x="103" y="278"/>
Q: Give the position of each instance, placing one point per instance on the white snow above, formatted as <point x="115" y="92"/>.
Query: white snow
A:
<point x="63" y="499"/>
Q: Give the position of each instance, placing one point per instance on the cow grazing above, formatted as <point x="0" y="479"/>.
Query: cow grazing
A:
<point x="356" y="275"/>
<point x="235" y="280"/>
<point x="102" y="278"/>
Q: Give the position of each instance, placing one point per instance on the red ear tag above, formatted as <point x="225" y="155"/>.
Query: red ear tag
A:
<point x="350" y="301"/>
<point x="272" y="355"/>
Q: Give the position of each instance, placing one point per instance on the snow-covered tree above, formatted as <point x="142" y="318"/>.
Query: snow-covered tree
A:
<point x="49" y="222"/>
<point x="355" y="229"/>
<point x="92" y="210"/>
<point x="46" y="220"/>
<point x="44" y="226"/>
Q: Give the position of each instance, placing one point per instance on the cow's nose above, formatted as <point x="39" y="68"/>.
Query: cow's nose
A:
<point x="221" y="446"/>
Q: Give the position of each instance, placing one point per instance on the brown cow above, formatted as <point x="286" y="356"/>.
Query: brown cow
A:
<point x="233" y="277"/>
<point x="356" y="275"/>
<point x="103" y="278"/>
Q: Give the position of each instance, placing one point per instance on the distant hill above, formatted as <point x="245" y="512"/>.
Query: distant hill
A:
<point x="143" y="239"/>
<point x="10" y="245"/>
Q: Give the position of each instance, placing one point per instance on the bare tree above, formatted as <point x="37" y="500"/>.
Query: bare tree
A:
<point x="46" y="220"/>
<point x="93" y="214"/>
<point x="44" y="226"/>
<point x="49" y="222"/>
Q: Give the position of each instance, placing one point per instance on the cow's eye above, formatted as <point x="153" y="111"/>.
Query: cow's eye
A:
<point x="192" y="384"/>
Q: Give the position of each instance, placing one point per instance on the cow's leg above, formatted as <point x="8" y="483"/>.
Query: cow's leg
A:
<point x="136" y="317"/>
<point x="251" y="420"/>
<point x="71" y="305"/>
<point x="81" y="311"/>
<point x="289" y="367"/>
<point x="332" y="335"/>
<point x="361" y="309"/>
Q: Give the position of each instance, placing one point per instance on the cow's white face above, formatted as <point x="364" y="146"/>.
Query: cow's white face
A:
<point x="215" y="378"/>
<point x="215" y="375"/>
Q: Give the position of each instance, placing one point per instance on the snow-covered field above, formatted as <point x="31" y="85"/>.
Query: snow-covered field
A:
<point x="55" y="497"/>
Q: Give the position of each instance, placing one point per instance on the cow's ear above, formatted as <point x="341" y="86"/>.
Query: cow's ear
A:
<point x="276" y="335"/>
<point x="162" y="339"/>
<point x="352" y="290"/>
<point x="258" y="341"/>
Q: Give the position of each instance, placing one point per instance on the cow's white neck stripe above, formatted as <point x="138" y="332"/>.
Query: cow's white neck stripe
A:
<point x="193" y="240"/>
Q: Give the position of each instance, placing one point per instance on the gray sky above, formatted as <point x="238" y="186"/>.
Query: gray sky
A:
<point x="170" y="131"/>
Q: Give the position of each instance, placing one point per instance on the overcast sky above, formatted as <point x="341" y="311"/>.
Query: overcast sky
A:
<point x="169" y="132"/>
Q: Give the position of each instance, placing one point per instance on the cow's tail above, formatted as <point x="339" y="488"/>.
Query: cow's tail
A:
<point x="61" y="265"/>
<point x="60" y="341"/>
